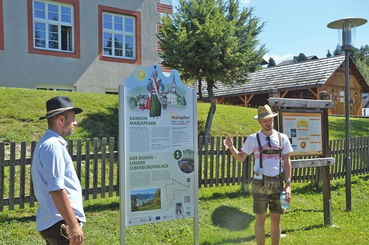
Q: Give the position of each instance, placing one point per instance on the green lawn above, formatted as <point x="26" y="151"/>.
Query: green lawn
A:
<point x="225" y="217"/>
<point x="21" y="108"/>
<point x="225" y="213"/>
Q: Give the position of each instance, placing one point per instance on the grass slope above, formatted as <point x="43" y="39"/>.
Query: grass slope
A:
<point x="21" y="108"/>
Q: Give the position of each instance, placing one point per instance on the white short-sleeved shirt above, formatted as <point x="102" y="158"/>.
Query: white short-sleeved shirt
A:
<point x="270" y="161"/>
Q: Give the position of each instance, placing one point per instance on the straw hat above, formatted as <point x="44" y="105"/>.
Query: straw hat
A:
<point x="264" y="111"/>
<point x="58" y="105"/>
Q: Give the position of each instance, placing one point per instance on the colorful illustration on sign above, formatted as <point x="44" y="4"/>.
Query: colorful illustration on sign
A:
<point x="156" y="91"/>
<point x="147" y="199"/>
<point x="302" y="124"/>
<point x="186" y="163"/>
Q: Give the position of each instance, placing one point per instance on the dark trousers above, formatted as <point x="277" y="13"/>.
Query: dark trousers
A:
<point x="56" y="234"/>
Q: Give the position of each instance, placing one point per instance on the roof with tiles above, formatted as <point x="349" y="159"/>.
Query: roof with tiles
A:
<point x="311" y="73"/>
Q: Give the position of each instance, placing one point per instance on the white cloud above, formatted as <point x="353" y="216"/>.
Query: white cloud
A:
<point x="278" y="58"/>
<point x="244" y="2"/>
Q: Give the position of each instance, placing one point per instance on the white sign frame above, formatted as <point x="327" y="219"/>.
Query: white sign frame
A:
<point x="124" y="198"/>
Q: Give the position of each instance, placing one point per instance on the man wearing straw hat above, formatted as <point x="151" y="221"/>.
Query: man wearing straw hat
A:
<point x="272" y="172"/>
<point x="60" y="214"/>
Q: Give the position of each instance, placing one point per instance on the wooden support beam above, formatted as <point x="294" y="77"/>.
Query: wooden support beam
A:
<point x="315" y="94"/>
<point x="243" y="99"/>
<point x="248" y="100"/>
<point x="284" y="94"/>
<point x="360" y="109"/>
<point x="314" y="162"/>
<point x="219" y="100"/>
<point x="303" y="103"/>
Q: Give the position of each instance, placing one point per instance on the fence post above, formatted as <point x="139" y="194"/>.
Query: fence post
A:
<point x="22" y="175"/>
<point x="246" y="173"/>
<point x="32" y="197"/>
<point x="2" y="156"/>
<point x="12" y="176"/>
<point x="103" y="165"/>
<point x="87" y="170"/>
<point x="200" y="155"/>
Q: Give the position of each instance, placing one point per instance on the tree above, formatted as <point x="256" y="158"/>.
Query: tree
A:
<point x="338" y="51"/>
<point x="360" y="57"/>
<point x="271" y="62"/>
<point x="209" y="41"/>
<point x="329" y="54"/>
<point x="300" y="57"/>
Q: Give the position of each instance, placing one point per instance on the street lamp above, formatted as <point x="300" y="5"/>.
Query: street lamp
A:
<point x="346" y="25"/>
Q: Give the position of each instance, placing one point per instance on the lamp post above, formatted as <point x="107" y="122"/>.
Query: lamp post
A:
<point x="346" y="25"/>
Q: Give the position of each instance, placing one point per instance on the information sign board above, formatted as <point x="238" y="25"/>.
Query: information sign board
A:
<point x="158" y="145"/>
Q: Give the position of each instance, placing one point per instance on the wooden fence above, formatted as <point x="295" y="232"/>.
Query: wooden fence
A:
<point x="96" y="164"/>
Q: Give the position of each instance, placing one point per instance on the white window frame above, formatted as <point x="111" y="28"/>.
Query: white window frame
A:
<point x="117" y="32"/>
<point x="58" y="23"/>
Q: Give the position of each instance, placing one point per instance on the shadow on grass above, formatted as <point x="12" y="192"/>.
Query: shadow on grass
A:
<point x="365" y="178"/>
<point x="101" y="124"/>
<point x="217" y="195"/>
<point x="228" y="241"/>
<point x="251" y="238"/>
<point x="312" y="188"/>
<point x="305" y="211"/>
<point x="5" y="220"/>
<point x="308" y="228"/>
<point x="88" y="209"/>
<point x="231" y="218"/>
<point x="113" y="206"/>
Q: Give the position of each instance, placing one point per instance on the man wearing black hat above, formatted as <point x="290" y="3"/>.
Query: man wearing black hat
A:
<point x="272" y="172"/>
<point x="58" y="190"/>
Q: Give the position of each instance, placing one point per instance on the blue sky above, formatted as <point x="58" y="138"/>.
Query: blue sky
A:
<point x="300" y="26"/>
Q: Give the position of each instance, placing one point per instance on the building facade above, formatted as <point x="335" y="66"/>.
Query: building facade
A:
<point x="77" y="45"/>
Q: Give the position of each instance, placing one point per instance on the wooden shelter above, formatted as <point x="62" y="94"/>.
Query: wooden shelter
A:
<point x="302" y="80"/>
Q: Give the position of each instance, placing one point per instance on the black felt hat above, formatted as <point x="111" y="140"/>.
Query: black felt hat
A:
<point x="58" y="105"/>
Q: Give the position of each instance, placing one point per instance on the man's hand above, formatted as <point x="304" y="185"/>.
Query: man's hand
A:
<point x="76" y="235"/>
<point x="288" y="193"/>
<point x="228" y="142"/>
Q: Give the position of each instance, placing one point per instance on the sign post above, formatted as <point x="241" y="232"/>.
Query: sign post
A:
<point x="305" y="122"/>
<point x="158" y="149"/>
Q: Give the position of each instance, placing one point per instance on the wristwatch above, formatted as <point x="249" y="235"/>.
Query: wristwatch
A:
<point x="288" y="181"/>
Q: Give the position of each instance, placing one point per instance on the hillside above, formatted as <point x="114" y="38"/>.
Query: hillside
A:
<point x="21" y="108"/>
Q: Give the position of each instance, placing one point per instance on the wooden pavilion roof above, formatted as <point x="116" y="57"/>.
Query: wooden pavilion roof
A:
<point x="306" y="74"/>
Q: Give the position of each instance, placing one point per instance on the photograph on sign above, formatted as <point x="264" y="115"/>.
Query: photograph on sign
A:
<point x="304" y="131"/>
<point x="158" y="146"/>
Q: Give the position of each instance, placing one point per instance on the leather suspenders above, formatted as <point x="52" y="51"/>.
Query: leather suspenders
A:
<point x="270" y="151"/>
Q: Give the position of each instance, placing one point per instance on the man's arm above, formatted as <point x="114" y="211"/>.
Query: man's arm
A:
<point x="62" y="204"/>
<point x="287" y="174"/>
<point x="239" y="155"/>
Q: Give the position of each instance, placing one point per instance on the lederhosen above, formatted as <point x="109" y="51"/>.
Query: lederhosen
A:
<point x="275" y="183"/>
